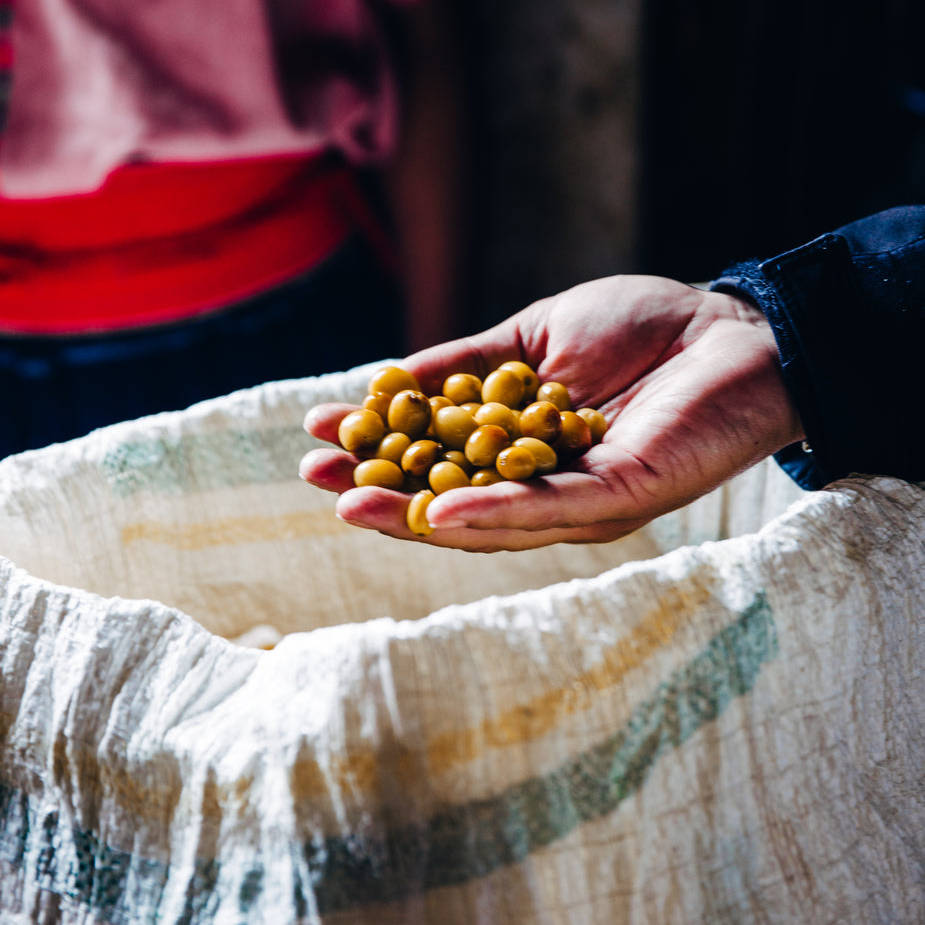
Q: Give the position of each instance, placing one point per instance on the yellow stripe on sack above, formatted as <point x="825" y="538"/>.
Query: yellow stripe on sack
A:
<point x="364" y="768"/>
<point x="231" y="531"/>
<point x="536" y="717"/>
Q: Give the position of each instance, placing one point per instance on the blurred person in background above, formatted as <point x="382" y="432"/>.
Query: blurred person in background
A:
<point x="199" y="197"/>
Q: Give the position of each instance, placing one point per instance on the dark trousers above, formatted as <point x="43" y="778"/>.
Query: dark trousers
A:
<point x="345" y="311"/>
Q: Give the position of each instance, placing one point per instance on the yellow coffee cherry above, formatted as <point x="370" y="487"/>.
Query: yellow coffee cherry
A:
<point x="445" y="476"/>
<point x="494" y="412"/>
<point x="485" y="443"/>
<point x="556" y="393"/>
<point x="527" y="376"/>
<point x="436" y="403"/>
<point x="471" y="406"/>
<point x="462" y="387"/>
<point x="458" y="457"/>
<point x="409" y="412"/>
<point x="416" y="517"/>
<point x="420" y="456"/>
<point x="379" y="472"/>
<point x="595" y="421"/>
<point x="543" y="453"/>
<point x="516" y="463"/>
<point x="575" y="438"/>
<point x="542" y="421"/>
<point x="482" y="477"/>
<point x="439" y="401"/>
<point x="378" y="402"/>
<point x="392" y="380"/>
<point x="360" y="430"/>
<point x="392" y="446"/>
<point x="453" y="426"/>
<point x="503" y="386"/>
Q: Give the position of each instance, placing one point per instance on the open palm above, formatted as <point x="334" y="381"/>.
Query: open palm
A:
<point x="688" y="381"/>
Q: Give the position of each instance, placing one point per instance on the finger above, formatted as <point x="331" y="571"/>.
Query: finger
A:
<point x="322" y="421"/>
<point x="329" y="469"/>
<point x="383" y="510"/>
<point x="576" y="498"/>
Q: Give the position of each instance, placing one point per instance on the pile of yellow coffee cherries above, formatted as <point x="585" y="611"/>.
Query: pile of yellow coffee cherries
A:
<point x="475" y="433"/>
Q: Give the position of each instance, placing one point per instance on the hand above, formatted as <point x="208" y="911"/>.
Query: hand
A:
<point x="688" y="381"/>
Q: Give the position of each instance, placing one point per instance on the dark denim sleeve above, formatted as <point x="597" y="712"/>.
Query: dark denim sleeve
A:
<point x="848" y="314"/>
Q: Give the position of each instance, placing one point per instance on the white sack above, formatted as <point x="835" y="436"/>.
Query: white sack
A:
<point x="725" y="732"/>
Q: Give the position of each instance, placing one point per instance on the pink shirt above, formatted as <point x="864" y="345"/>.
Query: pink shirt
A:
<point x="101" y="83"/>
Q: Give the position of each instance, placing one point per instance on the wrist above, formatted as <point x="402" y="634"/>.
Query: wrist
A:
<point x="770" y="390"/>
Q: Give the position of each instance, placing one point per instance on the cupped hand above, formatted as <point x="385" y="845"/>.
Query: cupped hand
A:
<point x="688" y="381"/>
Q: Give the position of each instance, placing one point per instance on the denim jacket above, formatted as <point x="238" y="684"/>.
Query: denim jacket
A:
<point x="848" y="313"/>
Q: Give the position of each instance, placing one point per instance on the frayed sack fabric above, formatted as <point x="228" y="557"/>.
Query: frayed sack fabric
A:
<point x="716" y="719"/>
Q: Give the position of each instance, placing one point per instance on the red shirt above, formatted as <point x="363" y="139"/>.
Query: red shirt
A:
<point x="158" y="243"/>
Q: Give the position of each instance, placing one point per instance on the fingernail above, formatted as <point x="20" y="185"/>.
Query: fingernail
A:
<point x="448" y="523"/>
<point x="311" y="416"/>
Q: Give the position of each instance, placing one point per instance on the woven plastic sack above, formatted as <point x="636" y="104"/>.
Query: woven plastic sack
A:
<point x="717" y="719"/>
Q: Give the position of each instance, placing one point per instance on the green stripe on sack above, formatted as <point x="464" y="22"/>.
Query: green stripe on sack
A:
<point x="472" y="840"/>
<point x="72" y="862"/>
<point x="455" y="845"/>
<point x="201" y="462"/>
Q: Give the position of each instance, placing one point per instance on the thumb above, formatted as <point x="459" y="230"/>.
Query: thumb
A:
<point x="478" y="354"/>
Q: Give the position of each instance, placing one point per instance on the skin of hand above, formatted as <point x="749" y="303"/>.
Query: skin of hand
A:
<point x="689" y="382"/>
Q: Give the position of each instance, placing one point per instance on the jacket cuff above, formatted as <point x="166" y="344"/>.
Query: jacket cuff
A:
<point x="848" y="313"/>
<point x="775" y="286"/>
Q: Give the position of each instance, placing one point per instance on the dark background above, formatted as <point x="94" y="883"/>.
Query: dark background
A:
<point x="672" y="137"/>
